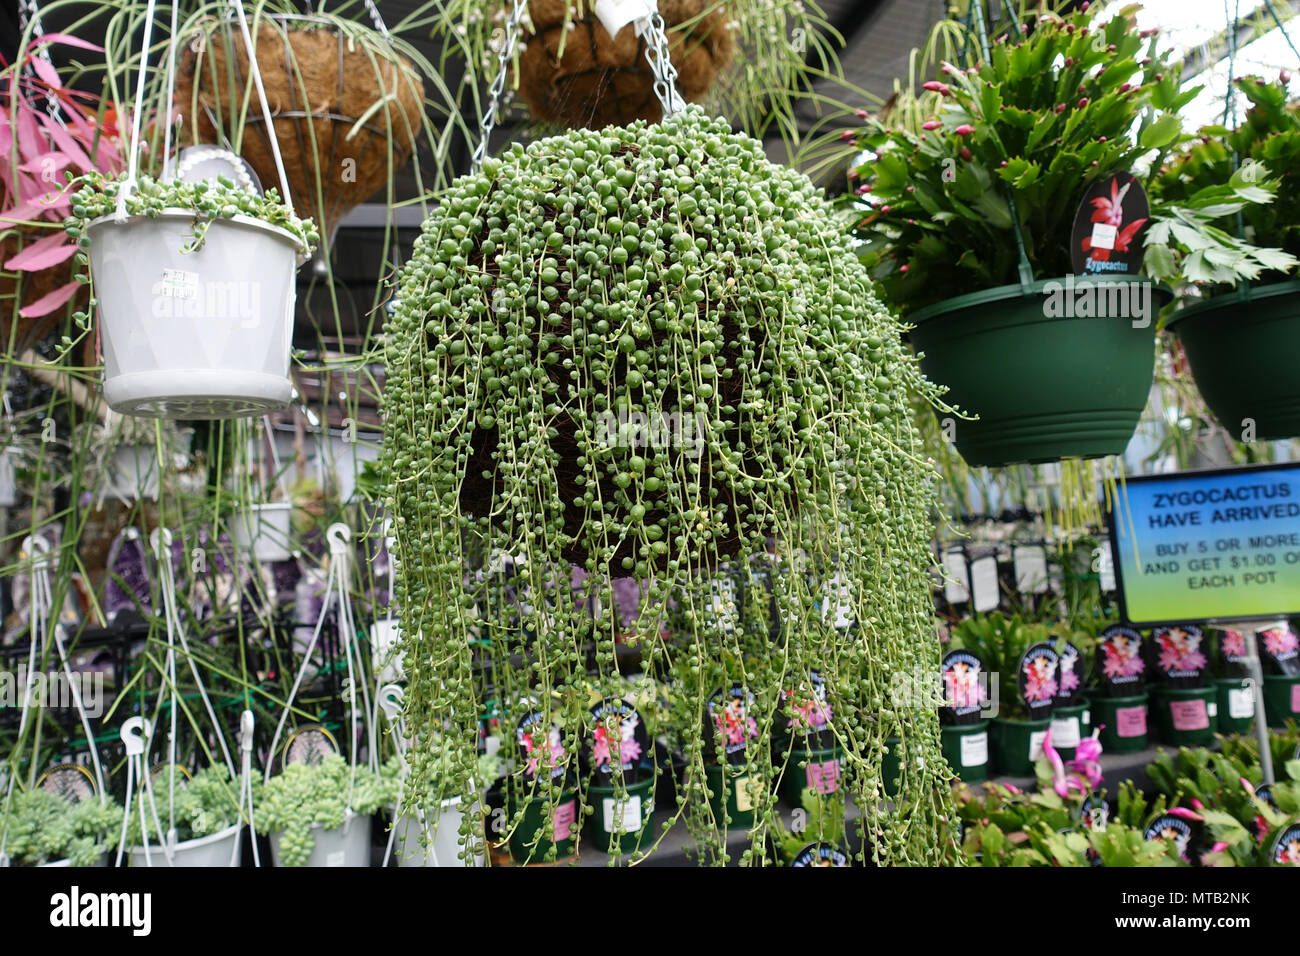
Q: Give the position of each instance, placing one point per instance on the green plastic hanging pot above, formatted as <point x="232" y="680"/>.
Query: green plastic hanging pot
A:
<point x="1185" y="716"/>
<point x="1045" y="385"/>
<point x="533" y="827"/>
<point x="966" y="748"/>
<point x="1017" y="744"/>
<point x="819" y="770"/>
<point x="1281" y="698"/>
<point x="1242" y="348"/>
<point x="741" y="795"/>
<point x="1069" y="726"/>
<point x="1236" y="700"/>
<point x="1123" y="722"/>
<point x="621" y="824"/>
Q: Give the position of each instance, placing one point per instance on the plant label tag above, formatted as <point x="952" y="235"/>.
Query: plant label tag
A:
<point x="1189" y="714"/>
<point x="1103" y="236"/>
<point x="1065" y="732"/>
<point x="746" y="790"/>
<point x="1295" y="698"/>
<point x="823" y="778"/>
<point x="1130" y="721"/>
<point x="565" y="814"/>
<point x="1087" y="718"/>
<point x="975" y="749"/>
<point x="1031" y="569"/>
<point x="1213" y="708"/>
<point x="1036" y="744"/>
<point x="629" y="821"/>
<point x="614" y="15"/>
<point x="956" y="585"/>
<point x="178" y="284"/>
<point x="984" y="581"/>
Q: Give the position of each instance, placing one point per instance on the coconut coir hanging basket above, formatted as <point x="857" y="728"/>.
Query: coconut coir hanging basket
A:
<point x="320" y="81"/>
<point x="580" y="77"/>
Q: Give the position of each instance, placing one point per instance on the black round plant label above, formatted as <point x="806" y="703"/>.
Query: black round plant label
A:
<point x="616" y="739"/>
<point x="1232" y="647"/>
<point x="731" y="711"/>
<point x="1107" y="238"/>
<point x="1094" y="812"/>
<point x="821" y="854"/>
<point x="1169" y="827"/>
<point x="541" y="744"/>
<point x="1070" y="684"/>
<point x="1119" y="656"/>
<point x="1038" y="677"/>
<point x="1178" y="652"/>
<point x="963" y="694"/>
<point x="308" y="745"/>
<point x="1286" y="848"/>
<point x="1265" y="793"/>
<point x="71" y="781"/>
<point x="1280" y="647"/>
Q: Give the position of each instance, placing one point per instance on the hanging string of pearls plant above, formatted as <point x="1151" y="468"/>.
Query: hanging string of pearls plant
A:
<point x="649" y="352"/>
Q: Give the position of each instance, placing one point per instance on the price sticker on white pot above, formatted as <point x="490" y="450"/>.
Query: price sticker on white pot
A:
<point x="984" y="583"/>
<point x="178" y="284"/>
<point x="628" y="821"/>
<point x="614" y="15"/>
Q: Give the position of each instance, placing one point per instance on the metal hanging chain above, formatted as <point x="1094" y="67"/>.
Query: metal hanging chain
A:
<point x="661" y="65"/>
<point x="376" y="19"/>
<point x="488" y="121"/>
<point x="29" y="12"/>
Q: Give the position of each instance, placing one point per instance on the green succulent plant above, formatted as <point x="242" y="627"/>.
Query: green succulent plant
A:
<point x="42" y="827"/>
<point x="205" y="803"/>
<point x="307" y="794"/>
<point x="672" y="273"/>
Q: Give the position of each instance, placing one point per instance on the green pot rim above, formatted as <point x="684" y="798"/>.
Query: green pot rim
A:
<point x="1016" y="721"/>
<point x="1128" y="700"/>
<point x="1016" y="291"/>
<point x="1244" y="293"/>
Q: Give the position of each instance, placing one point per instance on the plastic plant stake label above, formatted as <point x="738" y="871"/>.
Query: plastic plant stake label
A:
<point x="746" y="787"/>
<point x="1189" y="714"/>
<point x="1031" y="569"/>
<point x="1130" y="721"/>
<point x="614" y="15"/>
<point x="1241" y="703"/>
<point x="824" y="778"/>
<point x="956" y="585"/>
<point x="984" y="579"/>
<point x="565" y="814"/>
<point x="1065" y="732"/>
<point x="631" y="817"/>
<point x="1103" y="236"/>
<point x="1036" y="744"/>
<point x="975" y="749"/>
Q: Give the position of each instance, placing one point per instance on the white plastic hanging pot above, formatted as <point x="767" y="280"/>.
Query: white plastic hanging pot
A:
<point x="213" y="850"/>
<point x="67" y="863"/>
<point x="199" y="335"/>
<point x="445" y="844"/>
<point x="133" y="473"/>
<point x="263" y="530"/>
<point x="347" y="845"/>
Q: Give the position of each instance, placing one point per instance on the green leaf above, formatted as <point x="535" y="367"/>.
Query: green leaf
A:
<point x="1162" y="132"/>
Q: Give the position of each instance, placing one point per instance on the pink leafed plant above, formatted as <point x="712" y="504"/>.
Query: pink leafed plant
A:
<point x="42" y="145"/>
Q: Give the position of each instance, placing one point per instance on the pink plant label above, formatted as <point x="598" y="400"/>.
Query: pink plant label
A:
<point x="1295" y="698"/>
<point x="1189" y="714"/>
<point x="565" y="815"/>
<point x="824" y="777"/>
<point x="1130" y="721"/>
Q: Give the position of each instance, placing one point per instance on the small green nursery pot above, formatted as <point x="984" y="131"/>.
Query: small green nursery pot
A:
<point x="1017" y="744"/>
<point x="1123" y="722"/>
<point x="1185" y="716"/>
<point x="966" y="748"/>
<point x="819" y="770"/>
<point x="1236" y="700"/>
<point x="1242" y="347"/>
<point x="1069" y="726"/>
<point x="621" y="824"/>
<point x="1045" y="384"/>
<point x="1281" y="698"/>
<point x="741" y="795"/>
<point x="533" y="827"/>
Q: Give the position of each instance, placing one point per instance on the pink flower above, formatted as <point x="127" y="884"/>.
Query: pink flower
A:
<point x="847" y="134"/>
<point x="965" y="129"/>
<point x="862" y="114"/>
<point x="966" y="154"/>
<point x="931" y="124"/>
<point x="1082" y="103"/>
<point x="934" y="86"/>
<point x="1185" y="814"/>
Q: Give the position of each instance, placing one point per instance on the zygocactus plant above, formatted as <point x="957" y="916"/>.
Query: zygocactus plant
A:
<point x="565" y="314"/>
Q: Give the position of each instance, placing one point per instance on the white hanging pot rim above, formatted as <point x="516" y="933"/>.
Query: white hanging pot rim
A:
<point x="176" y="212"/>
